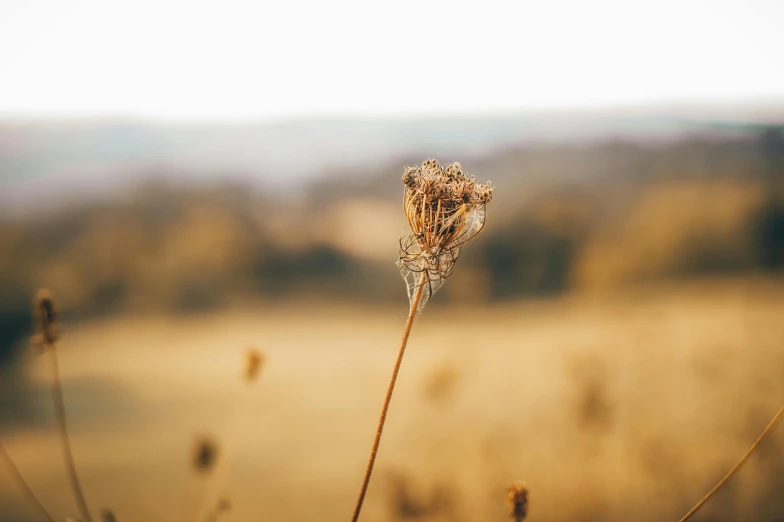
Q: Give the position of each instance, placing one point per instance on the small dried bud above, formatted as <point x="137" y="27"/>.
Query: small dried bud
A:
<point x="518" y="500"/>
<point x="46" y="315"/>
<point x="454" y="171"/>
<point x="431" y="165"/>
<point x="205" y="455"/>
<point x="484" y="194"/>
<point x="254" y="361"/>
<point x="408" y="176"/>
<point x="107" y="515"/>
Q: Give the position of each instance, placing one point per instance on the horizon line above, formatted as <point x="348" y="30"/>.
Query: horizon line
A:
<point x="673" y="109"/>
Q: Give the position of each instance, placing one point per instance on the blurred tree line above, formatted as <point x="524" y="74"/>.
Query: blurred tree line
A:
<point x="582" y="217"/>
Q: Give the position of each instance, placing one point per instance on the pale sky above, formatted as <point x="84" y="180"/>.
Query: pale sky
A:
<point x="239" y="60"/>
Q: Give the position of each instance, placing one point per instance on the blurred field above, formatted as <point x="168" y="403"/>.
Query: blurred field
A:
<point x="613" y="337"/>
<point x="190" y="180"/>
<point x="612" y="406"/>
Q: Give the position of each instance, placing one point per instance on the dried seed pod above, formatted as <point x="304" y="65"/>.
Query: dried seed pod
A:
<point x="517" y="494"/>
<point x="47" y="317"/>
<point x="205" y="455"/>
<point x="254" y="362"/>
<point x="444" y="209"/>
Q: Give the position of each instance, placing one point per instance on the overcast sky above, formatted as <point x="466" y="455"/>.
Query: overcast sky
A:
<point x="235" y="60"/>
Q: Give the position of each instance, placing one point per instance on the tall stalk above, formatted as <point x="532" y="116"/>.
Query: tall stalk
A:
<point x="374" y="450"/>
<point x="737" y="466"/>
<point x="444" y="209"/>
<point x="59" y="407"/>
<point x="47" y="315"/>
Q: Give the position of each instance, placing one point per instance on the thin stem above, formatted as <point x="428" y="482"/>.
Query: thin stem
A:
<point x="28" y="493"/>
<point x="409" y="323"/>
<point x="59" y="406"/>
<point x="723" y="481"/>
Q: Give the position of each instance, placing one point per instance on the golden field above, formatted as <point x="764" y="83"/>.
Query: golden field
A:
<point x="611" y="406"/>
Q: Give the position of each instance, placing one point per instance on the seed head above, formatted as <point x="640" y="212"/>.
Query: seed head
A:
<point x="518" y="500"/>
<point x="254" y="361"/>
<point x="107" y="515"/>
<point x="444" y="209"/>
<point x="46" y="315"/>
<point x="205" y="455"/>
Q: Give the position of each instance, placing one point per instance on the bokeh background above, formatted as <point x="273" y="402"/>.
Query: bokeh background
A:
<point x="193" y="180"/>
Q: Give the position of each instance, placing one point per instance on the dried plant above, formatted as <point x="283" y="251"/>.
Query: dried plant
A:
<point x="737" y="466"/>
<point x="517" y="495"/>
<point x="47" y="316"/>
<point x="444" y="209"/>
<point x="254" y="362"/>
<point x="203" y="460"/>
<point x="107" y="515"/>
<point x="205" y="455"/>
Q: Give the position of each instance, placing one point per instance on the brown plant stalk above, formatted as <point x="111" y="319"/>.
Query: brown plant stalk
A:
<point x="444" y="209"/>
<point x="26" y="491"/>
<point x="737" y="466"/>
<point x="47" y="315"/>
<point x="204" y="459"/>
<point x="62" y="423"/>
<point x="388" y="398"/>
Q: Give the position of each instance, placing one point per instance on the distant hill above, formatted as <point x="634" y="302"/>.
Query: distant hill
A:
<point x="72" y="159"/>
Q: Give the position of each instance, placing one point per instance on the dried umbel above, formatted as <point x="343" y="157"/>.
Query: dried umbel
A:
<point x="518" y="500"/>
<point x="444" y="209"/>
<point x="205" y="455"/>
<point x="254" y="361"/>
<point x="46" y="315"/>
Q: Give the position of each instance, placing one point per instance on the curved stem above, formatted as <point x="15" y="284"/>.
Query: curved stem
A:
<point x="59" y="406"/>
<point x="723" y="481"/>
<point x="409" y="323"/>
<point x="28" y="493"/>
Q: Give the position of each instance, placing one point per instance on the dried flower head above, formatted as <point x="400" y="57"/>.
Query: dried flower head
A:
<point x="254" y="361"/>
<point x="518" y="500"/>
<point x="205" y="455"/>
<point x="46" y="316"/>
<point x="107" y="515"/>
<point x="444" y="209"/>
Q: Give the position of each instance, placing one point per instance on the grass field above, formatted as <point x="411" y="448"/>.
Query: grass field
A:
<point x="613" y="408"/>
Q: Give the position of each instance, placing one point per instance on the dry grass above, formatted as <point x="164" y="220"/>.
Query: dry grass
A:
<point x="613" y="408"/>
